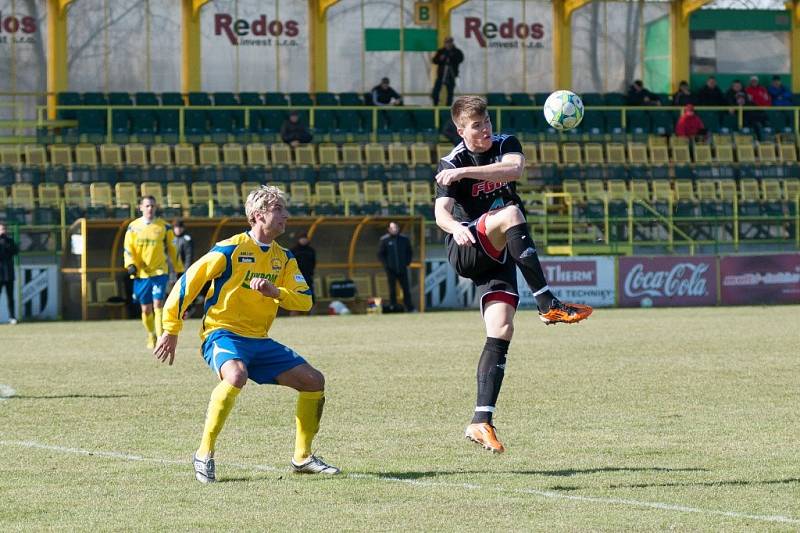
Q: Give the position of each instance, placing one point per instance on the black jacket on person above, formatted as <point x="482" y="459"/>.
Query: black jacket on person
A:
<point x="395" y="252"/>
<point x="447" y="58"/>
<point x="381" y="96"/>
<point x="295" y="131"/>
<point x="184" y="247"/>
<point x="708" y="96"/>
<point x="8" y="249"/>
<point x="681" y="99"/>
<point x="306" y="260"/>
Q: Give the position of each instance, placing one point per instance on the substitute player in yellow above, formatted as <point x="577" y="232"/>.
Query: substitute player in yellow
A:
<point x="148" y="244"/>
<point x="252" y="276"/>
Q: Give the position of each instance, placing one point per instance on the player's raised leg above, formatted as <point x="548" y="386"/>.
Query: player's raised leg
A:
<point x="507" y="228"/>
<point x="223" y="397"/>
<point x="310" y="385"/>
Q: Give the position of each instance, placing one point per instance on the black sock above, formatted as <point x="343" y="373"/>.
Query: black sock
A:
<point x="522" y="250"/>
<point x="491" y="369"/>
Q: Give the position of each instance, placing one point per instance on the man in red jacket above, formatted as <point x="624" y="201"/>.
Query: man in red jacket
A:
<point x="758" y="93"/>
<point x="689" y="125"/>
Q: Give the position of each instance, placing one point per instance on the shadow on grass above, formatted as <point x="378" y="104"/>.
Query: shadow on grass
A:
<point x="729" y="483"/>
<point x="64" y="396"/>
<point x="552" y="473"/>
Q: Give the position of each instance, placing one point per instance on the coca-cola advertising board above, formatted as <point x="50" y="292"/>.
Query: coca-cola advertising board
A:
<point x="760" y="279"/>
<point x="586" y="280"/>
<point x="667" y="281"/>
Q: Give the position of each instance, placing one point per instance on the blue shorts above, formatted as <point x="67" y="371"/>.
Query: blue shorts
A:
<point x="265" y="359"/>
<point x="145" y="290"/>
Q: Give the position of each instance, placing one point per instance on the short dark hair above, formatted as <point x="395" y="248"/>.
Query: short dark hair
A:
<point x="148" y="197"/>
<point x="638" y="83"/>
<point x="177" y="223"/>
<point x="384" y="80"/>
<point x="467" y="105"/>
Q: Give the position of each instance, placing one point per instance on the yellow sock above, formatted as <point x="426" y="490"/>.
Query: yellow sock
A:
<point x="148" y="319"/>
<point x="159" y="328"/>
<point x="307" y="417"/>
<point x="222" y="399"/>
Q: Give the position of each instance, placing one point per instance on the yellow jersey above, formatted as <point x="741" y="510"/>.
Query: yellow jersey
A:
<point x="230" y="302"/>
<point x="147" y="246"/>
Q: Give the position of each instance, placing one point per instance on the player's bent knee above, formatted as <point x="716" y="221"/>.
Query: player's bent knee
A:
<point x="314" y="381"/>
<point x="235" y="373"/>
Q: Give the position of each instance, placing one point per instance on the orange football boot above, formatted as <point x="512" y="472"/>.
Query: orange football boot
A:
<point x="565" y="312"/>
<point x="485" y="435"/>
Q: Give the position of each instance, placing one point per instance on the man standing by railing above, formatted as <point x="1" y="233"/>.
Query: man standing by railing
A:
<point x="8" y="249"/>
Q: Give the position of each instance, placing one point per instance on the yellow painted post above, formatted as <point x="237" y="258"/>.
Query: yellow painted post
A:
<point x="319" y="44"/>
<point x="191" y="66"/>
<point x="562" y="40"/>
<point x="794" y="8"/>
<point x="679" y="12"/>
<point x="57" y="74"/>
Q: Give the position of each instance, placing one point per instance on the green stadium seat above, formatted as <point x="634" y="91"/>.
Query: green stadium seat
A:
<point x="613" y="121"/>
<point x="199" y="98"/>
<point x="637" y="121"/>
<point x="615" y="99"/>
<point x="171" y="98"/>
<point x="496" y="99"/>
<point x="68" y="98"/>
<point x="94" y="98"/>
<point x="521" y="99"/>
<point x="325" y="99"/>
<point x="540" y="98"/>
<point x="324" y="121"/>
<point x="300" y="99"/>
<point x="146" y="98"/>
<point x="250" y="99"/>
<point x="350" y="99"/>
<point x="523" y="121"/>
<point x="591" y="99"/>
<point x="711" y="120"/>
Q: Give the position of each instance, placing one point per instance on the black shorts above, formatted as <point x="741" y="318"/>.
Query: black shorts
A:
<point x="494" y="274"/>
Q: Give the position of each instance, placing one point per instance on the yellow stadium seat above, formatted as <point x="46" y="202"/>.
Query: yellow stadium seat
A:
<point x="674" y="141"/>
<point x="185" y="155"/>
<point x="788" y="152"/>
<point x="328" y="154"/>
<point x="421" y="154"/>
<point x="791" y="189"/>
<point x="767" y="152"/>
<point x="160" y="155"/>
<point x="151" y="188"/>
<point x="531" y="153"/>
<point x="86" y="155"/>
<point x="617" y="190"/>
<point x="363" y="283"/>
<point x="3" y="198"/>
<point x="593" y="153"/>
<point x="637" y="153"/>
<point x="707" y="191"/>
<point x="771" y="189"/>
<point x="35" y="155"/>
<point x="571" y="154"/>
<point x="22" y="195"/>
<point x="721" y="139"/>
<point x="397" y="192"/>
<point x="202" y="193"/>
<point x="727" y="190"/>
<point x="742" y="139"/>
<point x="661" y="191"/>
<point x="49" y="195"/>
<point x="61" y="154"/>
<point x="75" y="195"/>
<point x="351" y="154"/>
<point x="248" y="186"/>
<point x="640" y="190"/>
<point x="178" y="195"/>
<point x="281" y="154"/>
<point x="421" y="192"/>
<point x="659" y="155"/>
<point x="324" y="193"/>
<point x="595" y="189"/>
<point x="657" y="141"/>
<point x="136" y="154"/>
<point x="233" y="154"/>
<point x="227" y="194"/>
<point x="702" y="154"/>
<point x="375" y="154"/>
<point x="681" y="154"/>
<point x="373" y="192"/>
<point x="748" y="190"/>
<point x="349" y="193"/>
<point x="11" y="155"/>
<point x="574" y="190"/>
<point x="443" y="150"/>
<point x="724" y="153"/>
<point x="257" y="155"/>
<point x="209" y="155"/>
<point x="615" y="153"/>
<point x="684" y="191"/>
<point x="745" y="153"/>
<point x="126" y="194"/>
<point x="398" y="154"/>
<point x="100" y="194"/>
<point x="548" y="153"/>
<point x="300" y="193"/>
<point x="305" y="155"/>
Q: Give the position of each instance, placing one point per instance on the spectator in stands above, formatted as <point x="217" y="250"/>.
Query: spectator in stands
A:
<point x="383" y="94"/>
<point x="758" y="93"/>
<point x="447" y="59"/>
<point x="779" y="94"/>
<point x="8" y="249"/>
<point x="732" y="95"/>
<point x="306" y="260"/>
<point x="711" y="94"/>
<point x="639" y="95"/>
<point x="750" y="119"/>
<point x="183" y="242"/>
<point x="683" y="96"/>
<point x="395" y="252"/>
<point x="689" y="124"/>
<point x="294" y="132"/>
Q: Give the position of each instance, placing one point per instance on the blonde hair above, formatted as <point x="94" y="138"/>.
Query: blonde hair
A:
<point x="469" y="106"/>
<point x="259" y="200"/>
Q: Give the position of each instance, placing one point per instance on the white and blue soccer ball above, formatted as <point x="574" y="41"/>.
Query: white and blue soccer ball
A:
<point x="563" y="110"/>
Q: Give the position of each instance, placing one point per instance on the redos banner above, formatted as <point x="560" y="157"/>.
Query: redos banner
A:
<point x="667" y="281"/>
<point x="760" y="279"/>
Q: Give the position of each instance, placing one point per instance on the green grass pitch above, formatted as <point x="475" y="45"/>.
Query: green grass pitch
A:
<point x="636" y="419"/>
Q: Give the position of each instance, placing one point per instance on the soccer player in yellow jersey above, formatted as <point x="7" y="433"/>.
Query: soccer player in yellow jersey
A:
<point x="251" y="277"/>
<point x="148" y="244"/>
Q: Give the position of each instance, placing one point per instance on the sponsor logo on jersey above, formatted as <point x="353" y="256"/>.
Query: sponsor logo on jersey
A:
<point x="244" y="259"/>
<point x="486" y="187"/>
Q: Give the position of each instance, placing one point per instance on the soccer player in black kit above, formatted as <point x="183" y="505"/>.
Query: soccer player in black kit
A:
<point x="488" y="238"/>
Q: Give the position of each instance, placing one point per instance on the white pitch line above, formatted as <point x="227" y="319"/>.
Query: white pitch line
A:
<point x="432" y="484"/>
<point x="6" y="392"/>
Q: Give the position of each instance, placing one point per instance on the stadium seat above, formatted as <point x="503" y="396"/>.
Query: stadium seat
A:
<point x="75" y="201"/>
<point x="126" y="195"/>
<point x="420" y="154"/>
<point x="257" y="155"/>
<point x="548" y="153"/>
<point x="227" y="199"/>
<point x="659" y="155"/>
<point x="571" y="154"/>
<point x="702" y="154"/>
<point x="328" y="154"/>
<point x="178" y="197"/>
<point x="375" y="154"/>
<point x="61" y="155"/>
<point x="136" y="154"/>
<point x="397" y="193"/>
<point x="305" y="154"/>
<point x="745" y="153"/>
<point x="150" y="188"/>
<point x="100" y="200"/>
<point x="202" y="194"/>
<point x="593" y="153"/>
<point x="497" y="99"/>
<point x="398" y="154"/>
<point x="233" y="154"/>
<point x="681" y="154"/>
<point x="281" y="154"/>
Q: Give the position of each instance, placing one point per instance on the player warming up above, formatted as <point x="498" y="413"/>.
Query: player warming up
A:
<point x="251" y="277"/>
<point x="488" y="238"/>
<point x="148" y="243"/>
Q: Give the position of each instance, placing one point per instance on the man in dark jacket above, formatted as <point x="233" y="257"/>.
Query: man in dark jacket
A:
<point x="183" y="242"/>
<point x="395" y="254"/>
<point x="293" y="132"/>
<point x="639" y="95"/>
<point x="306" y="258"/>
<point x="711" y="94"/>
<point x="447" y="59"/>
<point x="8" y="249"/>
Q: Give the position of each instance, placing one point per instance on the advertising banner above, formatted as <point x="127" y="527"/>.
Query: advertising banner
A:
<point x="760" y="279"/>
<point x="35" y="294"/>
<point x="667" y="281"/>
<point x="585" y="280"/>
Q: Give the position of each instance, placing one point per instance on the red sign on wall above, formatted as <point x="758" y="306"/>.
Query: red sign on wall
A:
<point x="760" y="279"/>
<point x="667" y="281"/>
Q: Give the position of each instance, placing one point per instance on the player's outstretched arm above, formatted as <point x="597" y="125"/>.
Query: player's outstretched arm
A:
<point x="165" y="348"/>
<point x="443" y="209"/>
<point x="509" y="168"/>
